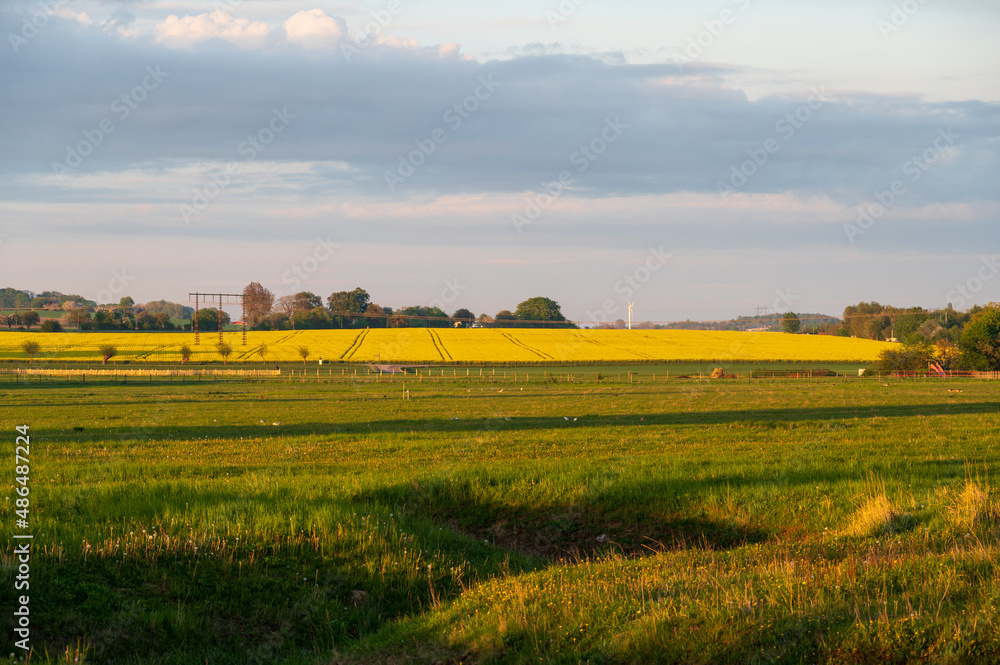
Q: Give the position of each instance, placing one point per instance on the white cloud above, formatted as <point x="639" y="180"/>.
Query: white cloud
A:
<point x="81" y="17"/>
<point x="314" y="29"/>
<point x="185" y="32"/>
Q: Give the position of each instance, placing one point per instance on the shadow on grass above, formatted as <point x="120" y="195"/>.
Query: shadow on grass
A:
<point x="272" y="592"/>
<point x="635" y="519"/>
<point x="761" y="418"/>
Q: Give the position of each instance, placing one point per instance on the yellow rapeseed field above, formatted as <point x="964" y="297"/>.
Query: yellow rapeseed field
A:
<point x="421" y="345"/>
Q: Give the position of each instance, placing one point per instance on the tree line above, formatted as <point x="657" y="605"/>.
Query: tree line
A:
<point x="354" y="309"/>
<point x="126" y="315"/>
<point x="955" y="340"/>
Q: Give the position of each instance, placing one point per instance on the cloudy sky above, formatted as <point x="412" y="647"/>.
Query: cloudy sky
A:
<point x="701" y="159"/>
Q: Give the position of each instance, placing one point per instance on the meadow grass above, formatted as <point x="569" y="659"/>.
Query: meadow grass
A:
<point x="484" y="520"/>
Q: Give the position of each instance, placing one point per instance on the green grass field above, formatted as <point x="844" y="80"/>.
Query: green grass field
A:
<point x="490" y="521"/>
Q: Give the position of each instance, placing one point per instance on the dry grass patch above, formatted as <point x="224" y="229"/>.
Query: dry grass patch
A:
<point x="972" y="506"/>
<point x="876" y="515"/>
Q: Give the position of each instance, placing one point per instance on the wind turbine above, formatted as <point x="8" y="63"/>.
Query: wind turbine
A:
<point x="630" y="306"/>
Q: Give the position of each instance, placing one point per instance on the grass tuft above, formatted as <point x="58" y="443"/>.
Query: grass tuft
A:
<point x="877" y="516"/>
<point x="972" y="506"/>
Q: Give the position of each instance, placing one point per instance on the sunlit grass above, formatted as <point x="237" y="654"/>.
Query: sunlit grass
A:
<point x="678" y="521"/>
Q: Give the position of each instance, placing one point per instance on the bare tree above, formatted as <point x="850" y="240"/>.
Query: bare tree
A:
<point x="286" y="305"/>
<point x="258" y="302"/>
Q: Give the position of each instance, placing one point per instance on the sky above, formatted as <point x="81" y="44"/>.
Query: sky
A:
<point x="700" y="160"/>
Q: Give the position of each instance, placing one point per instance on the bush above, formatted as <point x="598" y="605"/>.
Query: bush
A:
<point x="909" y="358"/>
<point x="50" y="326"/>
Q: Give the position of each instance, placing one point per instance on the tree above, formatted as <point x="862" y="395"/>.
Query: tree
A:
<point x="866" y="319"/>
<point x="14" y="298"/>
<point x="303" y="301"/>
<point x="208" y="319"/>
<point x="427" y="317"/>
<point x="946" y="353"/>
<point x="31" y="348"/>
<point x="275" y="321"/>
<point x="77" y="317"/>
<point x="122" y="318"/>
<point x="535" y="310"/>
<point x="185" y="352"/>
<point x="10" y="320"/>
<point x="107" y="351"/>
<point x="28" y="318"/>
<point x="126" y="302"/>
<point x="376" y="316"/>
<point x="157" y="321"/>
<point x="225" y="350"/>
<point x="306" y="301"/>
<point x="257" y="302"/>
<point x="485" y="320"/>
<point x="315" y="319"/>
<point x="285" y="305"/>
<point x="50" y="326"/>
<point x="348" y="306"/>
<point x="907" y="358"/>
<point x="464" y="317"/>
<point x="171" y="309"/>
<point x="504" y="319"/>
<point x="980" y="341"/>
<point x="790" y="323"/>
<point x="304" y="352"/>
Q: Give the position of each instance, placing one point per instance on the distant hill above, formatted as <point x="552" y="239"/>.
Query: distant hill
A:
<point x="11" y="298"/>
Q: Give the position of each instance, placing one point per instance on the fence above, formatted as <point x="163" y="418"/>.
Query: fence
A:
<point x="949" y="374"/>
<point x="143" y="372"/>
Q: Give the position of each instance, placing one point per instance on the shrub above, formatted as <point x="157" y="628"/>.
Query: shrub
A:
<point x="185" y="351"/>
<point x="50" y="326"/>
<point x="909" y="358"/>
